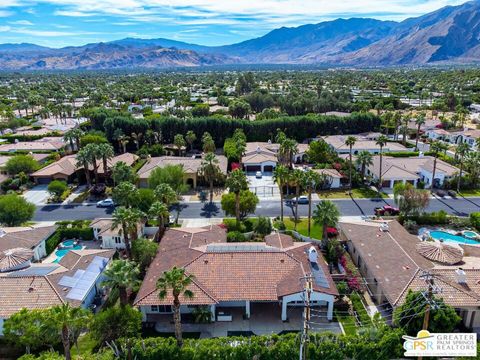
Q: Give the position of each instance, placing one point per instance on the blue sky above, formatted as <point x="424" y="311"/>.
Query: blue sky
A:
<point x="59" y="23"/>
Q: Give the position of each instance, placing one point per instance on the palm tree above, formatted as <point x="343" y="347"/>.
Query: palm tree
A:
<point x="93" y="156"/>
<point x="208" y="145"/>
<point x="127" y="220"/>
<point x="177" y="282"/>
<point x="159" y="211"/>
<point x="236" y="182"/>
<point x="240" y="141"/>
<point x="165" y="194"/>
<point x="364" y="160"/>
<point x="296" y="178"/>
<point x="137" y="137"/>
<point x="420" y="120"/>
<point x="287" y="150"/>
<point x="68" y="137"/>
<point x="350" y="141"/>
<point x="105" y="152"/>
<point x="190" y="138"/>
<point x="436" y="148"/>
<point x="381" y="141"/>
<point x="124" y="275"/>
<point x="69" y="319"/>
<point x="404" y="128"/>
<point x="310" y="181"/>
<point x="122" y="139"/>
<point x="210" y="171"/>
<point x="83" y="159"/>
<point x="462" y="150"/>
<point x="280" y="176"/>
<point x="326" y="214"/>
<point x="179" y="143"/>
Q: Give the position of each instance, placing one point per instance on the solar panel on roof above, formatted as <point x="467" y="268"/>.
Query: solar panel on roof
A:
<point x="68" y="281"/>
<point x="85" y="279"/>
<point x="34" y="270"/>
<point x="241" y="248"/>
<point x="319" y="276"/>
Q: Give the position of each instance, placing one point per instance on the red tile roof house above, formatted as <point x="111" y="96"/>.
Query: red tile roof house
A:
<point x="26" y="237"/>
<point x="77" y="279"/>
<point x="391" y="265"/>
<point x="233" y="277"/>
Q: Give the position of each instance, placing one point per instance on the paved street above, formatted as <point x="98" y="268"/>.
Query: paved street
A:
<point x="460" y="207"/>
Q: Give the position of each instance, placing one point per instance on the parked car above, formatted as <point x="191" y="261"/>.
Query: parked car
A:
<point x="441" y="193"/>
<point x="258" y="175"/>
<point x="301" y="200"/>
<point x="387" y="210"/>
<point x="98" y="189"/>
<point x="105" y="203"/>
<point x="452" y="193"/>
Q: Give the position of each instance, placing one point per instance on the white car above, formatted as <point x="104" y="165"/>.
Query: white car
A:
<point x="105" y="203"/>
<point x="258" y="175"/>
<point x="301" y="200"/>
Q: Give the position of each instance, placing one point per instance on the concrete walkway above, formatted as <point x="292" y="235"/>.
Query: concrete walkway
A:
<point x="75" y="193"/>
<point x="195" y="223"/>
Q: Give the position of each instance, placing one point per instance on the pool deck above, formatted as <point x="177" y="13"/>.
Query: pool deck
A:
<point x="468" y="241"/>
<point x="86" y="245"/>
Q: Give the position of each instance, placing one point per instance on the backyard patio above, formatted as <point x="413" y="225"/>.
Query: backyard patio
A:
<point x="265" y="319"/>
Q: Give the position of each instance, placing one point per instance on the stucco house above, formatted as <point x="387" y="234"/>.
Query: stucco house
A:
<point x="111" y="238"/>
<point x="237" y="276"/>
<point x="28" y="238"/>
<point x="364" y="142"/>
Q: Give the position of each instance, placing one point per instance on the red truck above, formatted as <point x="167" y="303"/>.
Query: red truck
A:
<point x="387" y="210"/>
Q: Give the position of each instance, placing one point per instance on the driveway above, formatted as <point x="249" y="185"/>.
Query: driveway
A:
<point x="263" y="187"/>
<point x="37" y="195"/>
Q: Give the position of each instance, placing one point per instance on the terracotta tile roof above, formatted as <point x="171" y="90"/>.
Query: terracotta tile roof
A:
<point x="127" y="158"/>
<point x="31" y="292"/>
<point x="258" y="158"/>
<point x="65" y="166"/>
<point x="26" y="238"/>
<point x="45" y="144"/>
<point x="278" y="240"/>
<point x="453" y="293"/>
<point x="329" y="172"/>
<point x="190" y="165"/>
<point x="230" y="271"/>
<point x="390" y="257"/>
<point x="362" y="143"/>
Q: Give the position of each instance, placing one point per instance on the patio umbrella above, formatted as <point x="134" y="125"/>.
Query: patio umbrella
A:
<point x="440" y="252"/>
<point x="13" y="258"/>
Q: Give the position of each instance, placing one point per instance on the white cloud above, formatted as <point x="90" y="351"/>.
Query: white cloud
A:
<point x="22" y="22"/>
<point x="5" y="13"/>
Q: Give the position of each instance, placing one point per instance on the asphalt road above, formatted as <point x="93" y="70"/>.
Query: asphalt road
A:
<point x="459" y="207"/>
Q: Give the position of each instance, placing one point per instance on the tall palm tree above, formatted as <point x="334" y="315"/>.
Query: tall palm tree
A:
<point x="127" y="220"/>
<point x="420" y="120"/>
<point x="404" y="128"/>
<point x="93" y="155"/>
<point x="381" y="141"/>
<point x="364" y="160"/>
<point x="310" y="181"/>
<point x="105" y="152"/>
<point x="236" y="182"/>
<point x="210" y="171"/>
<point x="165" y="194"/>
<point x="461" y="151"/>
<point x="350" y="141"/>
<point x="124" y="275"/>
<point x="326" y="214"/>
<point x="179" y="143"/>
<point x="287" y="150"/>
<point x="83" y="160"/>
<point x="436" y="148"/>
<point x="190" y="138"/>
<point x="159" y="211"/>
<point x="208" y="144"/>
<point x="280" y="176"/>
<point x="240" y="143"/>
<point x="69" y="319"/>
<point x="68" y="137"/>
<point x="296" y="178"/>
<point x="176" y="281"/>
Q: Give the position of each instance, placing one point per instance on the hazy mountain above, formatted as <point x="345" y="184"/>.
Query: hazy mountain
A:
<point x="448" y="35"/>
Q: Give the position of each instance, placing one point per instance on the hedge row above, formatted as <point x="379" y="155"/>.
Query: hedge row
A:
<point x="434" y="218"/>
<point x="381" y="345"/>
<point x="62" y="233"/>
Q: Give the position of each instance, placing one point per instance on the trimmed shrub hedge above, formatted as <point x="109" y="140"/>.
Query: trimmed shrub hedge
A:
<point x="475" y="220"/>
<point x="83" y="233"/>
<point x="402" y="154"/>
<point x="434" y="218"/>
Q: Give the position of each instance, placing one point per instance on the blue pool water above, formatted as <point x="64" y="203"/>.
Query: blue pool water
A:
<point x="62" y="252"/>
<point x="470" y="234"/>
<point x="447" y="237"/>
<point x="68" y="242"/>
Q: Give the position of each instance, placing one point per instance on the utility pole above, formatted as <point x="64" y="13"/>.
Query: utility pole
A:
<point x="428" y="277"/>
<point x="306" y="317"/>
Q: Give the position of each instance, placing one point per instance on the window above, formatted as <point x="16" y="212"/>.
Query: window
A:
<point x="117" y="240"/>
<point x="154" y="308"/>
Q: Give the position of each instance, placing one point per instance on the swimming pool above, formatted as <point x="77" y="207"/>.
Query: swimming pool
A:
<point x="62" y="252"/>
<point x="447" y="237"/>
<point x="470" y="234"/>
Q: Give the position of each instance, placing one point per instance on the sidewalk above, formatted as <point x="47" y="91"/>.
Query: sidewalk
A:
<point x="74" y="194"/>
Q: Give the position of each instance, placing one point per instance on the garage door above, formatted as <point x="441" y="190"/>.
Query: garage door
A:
<point x="253" y="168"/>
<point x="44" y="181"/>
<point x="268" y="168"/>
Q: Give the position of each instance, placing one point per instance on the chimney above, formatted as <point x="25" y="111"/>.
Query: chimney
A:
<point x="461" y="276"/>
<point x="312" y="255"/>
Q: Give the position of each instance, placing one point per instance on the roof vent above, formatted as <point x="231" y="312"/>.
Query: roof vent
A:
<point x="461" y="276"/>
<point x="2" y="233"/>
<point x="312" y="255"/>
<point x="205" y="261"/>
<point x="258" y="149"/>
<point x="269" y="141"/>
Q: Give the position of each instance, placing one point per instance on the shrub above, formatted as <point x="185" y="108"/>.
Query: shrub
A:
<point x="56" y="188"/>
<point x="475" y="220"/>
<point x="263" y="226"/>
<point x="360" y="309"/>
<point x="76" y="233"/>
<point x="235" y="236"/>
<point x="232" y="225"/>
<point x="342" y="288"/>
<point x="279" y="225"/>
<point x="15" y="210"/>
<point x="52" y="242"/>
<point x="21" y="163"/>
<point x="402" y="154"/>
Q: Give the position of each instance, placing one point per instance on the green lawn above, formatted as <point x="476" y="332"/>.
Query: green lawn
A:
<point x="302" y="227"/>
<point x="362" y="193"/>
<point x="470" y="193"/>
<point x="86" y="346"/>
<point x="348" y="323"/>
